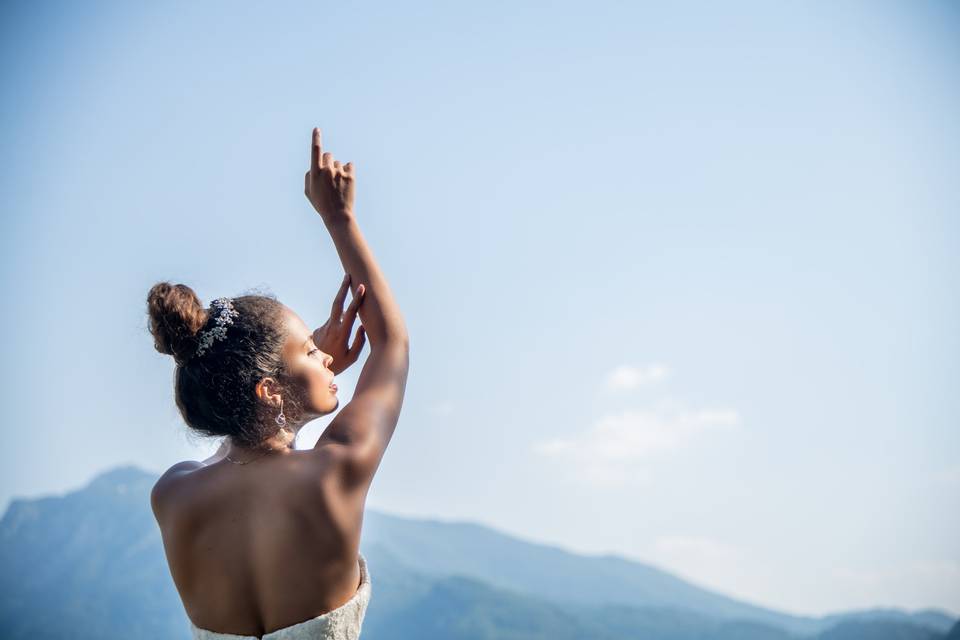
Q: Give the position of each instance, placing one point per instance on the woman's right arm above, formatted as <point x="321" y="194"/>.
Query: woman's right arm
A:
<point x="361" y="430"/>
<point x="379" y="312"/>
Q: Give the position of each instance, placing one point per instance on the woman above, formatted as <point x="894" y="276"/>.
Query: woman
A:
<point x="263" y="539"/>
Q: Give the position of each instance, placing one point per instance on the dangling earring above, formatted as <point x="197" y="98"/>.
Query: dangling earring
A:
<point x="282" y="419"/>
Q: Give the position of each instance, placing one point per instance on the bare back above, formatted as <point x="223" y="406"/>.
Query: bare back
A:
<point x="258" y="547"/>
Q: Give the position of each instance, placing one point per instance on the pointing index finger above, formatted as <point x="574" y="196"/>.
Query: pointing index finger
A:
<point x="316" y="150"/>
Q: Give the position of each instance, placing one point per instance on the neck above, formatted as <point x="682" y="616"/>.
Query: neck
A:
<point x="283" y="441"/>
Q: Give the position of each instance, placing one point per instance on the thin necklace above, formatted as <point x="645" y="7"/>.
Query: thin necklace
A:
<point x="257" y="458"/>
<point x="247" y="461"/>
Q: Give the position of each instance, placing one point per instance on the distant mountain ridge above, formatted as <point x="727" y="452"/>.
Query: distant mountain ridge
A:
<point x="548" y="572"/>
<point x="90" y="564"/>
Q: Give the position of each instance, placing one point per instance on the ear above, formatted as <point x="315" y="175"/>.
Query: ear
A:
<point x="268" y="392"/>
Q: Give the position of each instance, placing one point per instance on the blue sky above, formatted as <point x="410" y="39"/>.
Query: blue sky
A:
<point x="680" y="281"/>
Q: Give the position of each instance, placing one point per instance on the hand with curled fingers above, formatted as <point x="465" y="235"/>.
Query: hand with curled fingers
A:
<point x="329" y="186"/>
<point x="334" y="335"/>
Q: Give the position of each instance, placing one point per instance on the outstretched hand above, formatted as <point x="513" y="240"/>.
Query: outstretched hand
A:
<point x="333" y="336"/>
<point x="328" y="186"/>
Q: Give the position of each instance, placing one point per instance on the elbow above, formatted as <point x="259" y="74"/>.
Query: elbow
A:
<point x="393" y="338"/>
<point x="399" y="338"/>
<point x="400" y="344"/>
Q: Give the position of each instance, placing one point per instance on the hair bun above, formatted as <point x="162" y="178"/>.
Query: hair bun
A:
<point x="175" y="317"/>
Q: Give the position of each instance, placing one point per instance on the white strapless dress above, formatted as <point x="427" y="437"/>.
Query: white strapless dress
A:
<point x="342" y="623"/>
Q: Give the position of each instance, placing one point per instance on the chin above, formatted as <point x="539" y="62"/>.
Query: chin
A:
<point x="330" y="408"/>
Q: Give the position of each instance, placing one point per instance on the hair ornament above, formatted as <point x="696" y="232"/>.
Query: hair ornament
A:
<point x="225" y="315"/>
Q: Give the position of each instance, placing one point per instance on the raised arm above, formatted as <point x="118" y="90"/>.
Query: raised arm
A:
<point x="361" y="430"/>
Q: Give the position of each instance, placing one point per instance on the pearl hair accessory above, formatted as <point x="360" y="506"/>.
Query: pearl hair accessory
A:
<point x="225" y="316"/>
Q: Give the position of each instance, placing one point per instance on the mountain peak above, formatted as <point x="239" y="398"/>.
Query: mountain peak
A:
<point x="119" y="478"/>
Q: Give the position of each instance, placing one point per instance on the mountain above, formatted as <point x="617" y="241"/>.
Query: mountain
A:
<point x="929" y="618"/>
<point x="954" y="633"/>
<point x="90" y="564"/>
<point x="88" y="558"/>
<point x="879" y="630"/>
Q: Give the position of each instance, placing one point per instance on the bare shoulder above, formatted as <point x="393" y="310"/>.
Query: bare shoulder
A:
<point x="171" y="475"/>
<point x="166" y="484"/>
<point x="349" y="466"/>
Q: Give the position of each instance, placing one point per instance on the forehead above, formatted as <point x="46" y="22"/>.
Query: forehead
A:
<point x="297" y="329"/>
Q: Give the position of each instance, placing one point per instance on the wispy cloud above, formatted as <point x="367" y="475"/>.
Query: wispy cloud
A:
<point x="627" y="377"/>
<point x="634" y="434"/>
<point x="609" y="451"/>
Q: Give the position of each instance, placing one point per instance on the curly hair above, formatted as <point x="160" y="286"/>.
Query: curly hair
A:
<point x="215" y="392"/>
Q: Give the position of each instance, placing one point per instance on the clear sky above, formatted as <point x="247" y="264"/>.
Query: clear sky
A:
<point x="681" y="282"/>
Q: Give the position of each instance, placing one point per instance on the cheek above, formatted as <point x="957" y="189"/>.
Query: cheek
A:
<point x="312" y="374"/>
<point x="311" y="383"/>
<point x="305" y="371"/>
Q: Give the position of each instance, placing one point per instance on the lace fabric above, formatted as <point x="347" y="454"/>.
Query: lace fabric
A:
<point x="342" y="623"/>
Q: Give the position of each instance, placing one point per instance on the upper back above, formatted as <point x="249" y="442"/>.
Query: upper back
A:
<point x="257" y="547"/>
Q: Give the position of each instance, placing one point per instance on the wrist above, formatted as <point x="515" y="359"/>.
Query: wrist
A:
<point x="340" y="216"/>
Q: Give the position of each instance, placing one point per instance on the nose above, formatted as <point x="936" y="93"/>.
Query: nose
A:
<point x="328" y="361"/>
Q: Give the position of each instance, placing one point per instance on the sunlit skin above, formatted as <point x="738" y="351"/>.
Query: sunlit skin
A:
<point x="308" y="354"/>
<point x="271" y="537"/>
